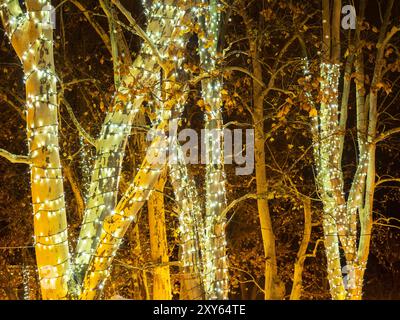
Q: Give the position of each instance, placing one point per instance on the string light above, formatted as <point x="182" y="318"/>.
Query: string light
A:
<point x="86" y="155"/>
<point x="191" y="224"/>
<point x="25" y="281"/>
<point x="99" y="234"/>
<point x="104" y="227"/>
<point x="42" y="130"/>
<point x="340" y="216"/>
<point x="325" y="148"/>
<point x="215" y="271"/>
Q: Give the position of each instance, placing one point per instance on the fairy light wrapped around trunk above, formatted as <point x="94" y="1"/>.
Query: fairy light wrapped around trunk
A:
<point x="215" y="259"/>
<point x="165" y="32"/>
<point x="328" y="130"/>
<point x="85" y="166"/>
<point x="142" y="77"/>
<point x="31" y="35"/>
<point x="102" y="193"/>
<point x="324" y="129"/>
<point x="190" y="215"/>
<point x="25" y="282"/>
<point x="191" y="224"/>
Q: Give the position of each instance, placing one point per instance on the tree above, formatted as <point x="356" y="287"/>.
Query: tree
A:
<point x="32" y="38"/>
<point x="329" y="127"/>
<point x="134" y="218"/>
<point x="101" y="201"/>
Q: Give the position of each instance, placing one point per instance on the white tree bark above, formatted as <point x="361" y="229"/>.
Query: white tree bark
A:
<point x="191" y="224"/>
<point x="163" y="33"/>
<point x="31" y="36"/>
<point x="215" y="259"/>
<point x="141" y="79"/>
<point x="341" y="216"/>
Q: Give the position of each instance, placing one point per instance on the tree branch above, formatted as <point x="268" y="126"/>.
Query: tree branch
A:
<point x="382" y="181"/>
<point x="119" y="47"/>
<point x="14" y="158"/>
<point x="76" y="190"/>
<point x="389" y="36"/>
<point x="140" y="32"/>
<point x="253" y="280"/>
<point x="386" y="134"/>
<point x="75" y="121"/>
<point x="11" y="103"/>
<point x="206" y="75"/>
<point x="314" y="253"/>
<point x="96" y="26"/>
<point x="235" y="202"/>
<point x="8" y="10"/>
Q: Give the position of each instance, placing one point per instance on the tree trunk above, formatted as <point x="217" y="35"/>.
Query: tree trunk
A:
<point x="215" y="264"/>
<point x="139" y="275"/>
<point x="158" y="242"/>
<point x="33" y="43"/>
<point x="191" y="225"/>
<point x="297" y="286"/>
<point x="143" y="76"/>
<point x="366" y="213"/>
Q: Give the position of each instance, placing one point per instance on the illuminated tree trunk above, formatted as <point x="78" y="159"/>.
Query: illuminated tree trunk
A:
<point x="139" y="275"/>
<point x="111" y="144"/>
<point x="158" y="242"/>
<point x="110" y="149"/>
<point x="272" y="282"/>
<point x="215" y="264"/>
<point x="104" y="182"/>
<point x="114" y="225"/>
<point x="329" y="176"/>
<point x="32" y="38"/>
<point x="297" y="286"/>
<point x="142" y="76"/>
<point x="327" y="149"/>
<point x="341" y="215"/>
<point x="191" y="224"/>
<point x="369" y="105"/>
<point x="328" y="146"/>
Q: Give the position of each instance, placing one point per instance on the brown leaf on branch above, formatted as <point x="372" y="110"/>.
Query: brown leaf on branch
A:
<point x="313" y="112"/>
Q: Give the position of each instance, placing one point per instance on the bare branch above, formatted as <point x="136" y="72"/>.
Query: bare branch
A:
<point x="253" y="280"/>
<point x="386" y="134"/>
<point x="75" y="121"/>
<point x="120" y="49"/>
<point x="386" y="225"/>
<point x="206" y="75"/>
<point x="11" y="103"/>
<point x="382" y="181"/>
<point x="14" y="158"/>
<point x="235" y="202"/>
<point x="386" y="222"/>
<point x="76" y="190"/>
<point x="96" y="26"/>
<point x="314" y="253"/>
<point x="390" y="35"/>
<point x="247" y="72"/>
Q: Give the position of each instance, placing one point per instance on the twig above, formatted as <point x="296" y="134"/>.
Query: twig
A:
<point x="252" y="278"/>
<point x="96" y="26"/>
<point x="75" y="121"/>
<point x="386" y="134"/>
